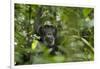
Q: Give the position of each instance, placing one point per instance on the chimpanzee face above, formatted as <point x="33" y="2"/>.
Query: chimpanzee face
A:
<point x="48" y="35"/>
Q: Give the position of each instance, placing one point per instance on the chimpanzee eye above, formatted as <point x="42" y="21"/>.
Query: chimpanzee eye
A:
<point x="49" y="34"/>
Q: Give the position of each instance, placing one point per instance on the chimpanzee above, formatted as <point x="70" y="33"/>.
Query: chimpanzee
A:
<point x="48" y="35"/>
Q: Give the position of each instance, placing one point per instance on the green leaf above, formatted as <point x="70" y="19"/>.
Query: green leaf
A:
<point x="88" y="44"/>
<point x="86" y="12"/>
<point x="34" y="44"/>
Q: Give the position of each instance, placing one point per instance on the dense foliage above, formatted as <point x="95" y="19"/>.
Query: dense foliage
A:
<point x="75" y="32"/>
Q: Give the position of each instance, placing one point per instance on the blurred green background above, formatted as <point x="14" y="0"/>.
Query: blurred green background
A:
<point x="75" y="32"/>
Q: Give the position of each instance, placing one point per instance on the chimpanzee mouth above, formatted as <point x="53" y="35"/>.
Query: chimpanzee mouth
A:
<point x="49" y="41"/>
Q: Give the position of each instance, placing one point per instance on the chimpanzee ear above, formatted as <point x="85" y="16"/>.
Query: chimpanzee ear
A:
<point x="41" y="29"/>
<point x="54" y="30"/>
